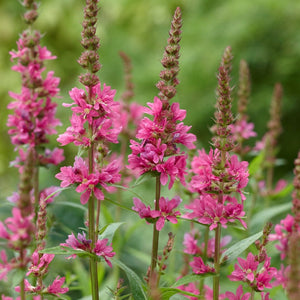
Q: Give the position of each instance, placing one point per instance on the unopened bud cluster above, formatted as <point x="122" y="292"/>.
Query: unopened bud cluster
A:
<point x="89" y="58"/>
<point x="167" y="84"/>
<point x="223" y="115"/>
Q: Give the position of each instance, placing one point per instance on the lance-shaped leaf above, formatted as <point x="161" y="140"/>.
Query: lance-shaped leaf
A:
<point x="234" y="251"/>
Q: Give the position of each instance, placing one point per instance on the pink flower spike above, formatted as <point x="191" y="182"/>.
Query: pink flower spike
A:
<point x="56" y="287"/>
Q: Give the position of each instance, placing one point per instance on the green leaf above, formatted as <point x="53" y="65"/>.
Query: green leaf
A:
<point x="191" y="278"/>
<point x="60" y="250"/>
<point x="256" y="163"/>
<point x="178" y="297"/>
<point x="72" y="204"/>
<point x="55" y="192"/>
<point x="129" y="190"/>
<point x="167" y="293"/>
<point x="17" y="276"/>
<point x="264" y="215"/>
<point x="135" y="282"/>
<point x="234" y="251"/>
<point x="142" y="179"/>
<point x="109" y="231"/>
<point x="120" y="205"/>
<point x="284" y="192"/>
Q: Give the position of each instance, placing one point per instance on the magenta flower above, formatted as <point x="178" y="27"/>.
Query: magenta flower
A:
<point x="34" y="112"/>
<point x="5" y="265"/>
<point x="246" y="270"/>
<point x="82" y="243"/>
<point x="99" y="113"/>
<point x="144" y="211"/>
<point x="190" y="244"/>
<point x="199" y="267"/>
<point x="265" y="296"/>
<point x="282" y="276"/>
<point x="166" y="211"/>
<point x="39" y="265"/>
<point x="45" y="194"/>
<point x="192" y="288"/>
<point x="233" y="178"/>
<point x="18" y="230"/>
<point x="207" y="210"/>
<point x="242" y="130"/>
<point x="265" y="275"/>
<point x="101" y="249"/>
<point x="76" y="133"/>
<point x="77" y="243"/>
<point x="239" y="295"/>
<point x="56" y="287"/>
<point x="282" y="233"/>
<point x="159" y="139"/>
<point x="88" y="183"/>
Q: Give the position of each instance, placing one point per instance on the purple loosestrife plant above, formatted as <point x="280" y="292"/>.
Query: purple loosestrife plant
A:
<point x="218" y="176"/>
<point x="32" y="120"/>
<point x="94" y="124"/>
<point x="157" y="151"/>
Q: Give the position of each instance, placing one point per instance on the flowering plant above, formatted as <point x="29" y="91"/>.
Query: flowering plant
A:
<point x="205" y="230"/>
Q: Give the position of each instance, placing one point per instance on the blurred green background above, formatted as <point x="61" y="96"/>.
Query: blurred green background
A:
<point x="263" y="32"/>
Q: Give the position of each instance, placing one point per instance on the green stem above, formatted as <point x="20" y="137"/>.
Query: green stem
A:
<point x="35" y="183"/>
<point x="22" y="284"/>
<point x="269" y="183"/>
<point x="22" y="290"/>
<point x="92" y="235"/>
<point x="216" y="280"/>
<point x="155" y="231"/>
<point x="97" y="220"/>
<point x="252" y="295"/>
<point x="201" y="284"/>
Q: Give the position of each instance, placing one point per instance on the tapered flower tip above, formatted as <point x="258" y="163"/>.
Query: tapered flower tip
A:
<point x="177" y="12"/>
<point x="227" y="58"/>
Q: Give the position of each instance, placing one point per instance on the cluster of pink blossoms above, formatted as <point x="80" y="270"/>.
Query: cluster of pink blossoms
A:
<point x="159" y="138"/>
<point x="209" y="180"/>
<point x="98" y="110"/>
<point x="248" y="271"/>
<point x="165" y="213"/>
<point x="94" y="121"/>
<point x="82" y="243"/>
<point x="34" y="112"/>
<point x="242" y="130"/>
<point x="88" y="183"/>
<point x="283" y="232"/>
<point x="193" y="288"/>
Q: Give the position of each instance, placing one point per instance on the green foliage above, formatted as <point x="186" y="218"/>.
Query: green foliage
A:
<point x="136" y="285"/>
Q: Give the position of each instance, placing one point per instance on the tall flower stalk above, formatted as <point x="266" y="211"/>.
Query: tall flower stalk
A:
<point x="157" y="152"/>
<point x="218" y="176"/>
<point x="33" y="119"/>
<point x="94" y="124"/>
